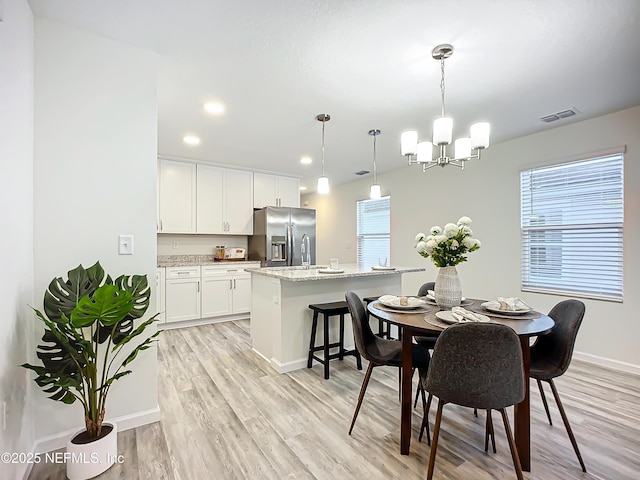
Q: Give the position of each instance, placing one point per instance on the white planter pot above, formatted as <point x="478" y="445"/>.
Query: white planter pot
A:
<point x="89" y="460"/>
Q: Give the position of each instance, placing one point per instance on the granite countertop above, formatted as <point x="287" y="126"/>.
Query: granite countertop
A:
<point x="301" y="274"/>
<point x="194" y="260"/>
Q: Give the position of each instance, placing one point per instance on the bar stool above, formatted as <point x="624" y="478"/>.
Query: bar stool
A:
<point x="382" y="331"/>
<point x="329" y="310"/>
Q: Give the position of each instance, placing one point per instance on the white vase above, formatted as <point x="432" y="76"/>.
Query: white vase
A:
<point x="88" y="460"/>
<point x="448" y="290"/>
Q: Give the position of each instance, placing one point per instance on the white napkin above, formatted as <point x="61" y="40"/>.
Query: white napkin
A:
<point x="464" y="315"/>
<point x="510" y="304"/>
<point x="394" y="301"/>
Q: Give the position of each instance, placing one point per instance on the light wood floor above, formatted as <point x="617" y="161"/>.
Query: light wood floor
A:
<point x="227" y="415"/>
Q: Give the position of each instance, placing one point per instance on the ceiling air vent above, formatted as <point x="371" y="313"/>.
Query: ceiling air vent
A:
<point x="558" y="115"/>
<point x="363" y="172"/>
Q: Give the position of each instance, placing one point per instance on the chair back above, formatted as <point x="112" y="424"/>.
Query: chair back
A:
<point x="478" y="366"/>
<point x="555" y="349"/>
<point x="362" y="333"/>
<point x="422" y="292"/>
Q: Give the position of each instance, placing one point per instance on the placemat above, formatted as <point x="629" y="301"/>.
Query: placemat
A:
<point x="525" y="316"/>
<point x="420" y="309"/>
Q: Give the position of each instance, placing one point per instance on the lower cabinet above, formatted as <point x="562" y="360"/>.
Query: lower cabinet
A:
<point x="182" y="294"/>
<point x="207" y="291"/>
<point x="225" y="290"/>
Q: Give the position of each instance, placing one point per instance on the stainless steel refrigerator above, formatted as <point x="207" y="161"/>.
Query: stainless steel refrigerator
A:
<point x="278" y="234"/>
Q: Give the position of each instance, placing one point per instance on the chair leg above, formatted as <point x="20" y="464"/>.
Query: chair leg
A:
<point x="326" y="346"/>
<point x="544" y="401"/>
<point x="363" y="389"/>
<point x="488" y="432"/>
<point x="341" y="341"/>
<point x="418" y="390"/>
<point x="434" y="446"/>
<point x="512" y="445"/>
<point x="312" y="343"/>
<point x="425" y="421"/>
<point x="566" y="424"/>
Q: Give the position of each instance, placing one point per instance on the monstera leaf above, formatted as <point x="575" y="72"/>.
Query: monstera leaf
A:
<point x="108" y="306"/>
<point x="138" y="286"/>
<point x="62" y="296"/>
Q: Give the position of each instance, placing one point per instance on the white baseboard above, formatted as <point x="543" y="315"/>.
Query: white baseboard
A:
<point x="126" y="422"/>
<point x="289" y="366"/>
<point x="202" y="321"/>
<point x="607" y="362"/>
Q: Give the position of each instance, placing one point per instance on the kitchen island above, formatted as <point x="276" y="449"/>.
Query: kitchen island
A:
<point x="280" y="299"/>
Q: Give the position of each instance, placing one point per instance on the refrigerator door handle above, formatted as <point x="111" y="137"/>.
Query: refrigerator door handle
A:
<point x="288" y="245"/>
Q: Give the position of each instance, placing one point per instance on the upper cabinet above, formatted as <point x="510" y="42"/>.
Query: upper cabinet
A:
<point x="275" y="190"/>
<point x="176" y="197"/>
<point x="224" y="201"/>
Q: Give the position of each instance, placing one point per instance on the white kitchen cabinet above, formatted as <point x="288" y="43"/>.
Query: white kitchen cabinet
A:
<point x="160" y="294"/>
<point x="226" y="289"/>
<point x="224" y="201"/>
<point x="176" y="197"/>
<point x="275" y="190"/>
<point x="183" y="293"/>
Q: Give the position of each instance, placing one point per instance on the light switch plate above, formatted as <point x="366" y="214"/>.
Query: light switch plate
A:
<point x="125" y="244"/>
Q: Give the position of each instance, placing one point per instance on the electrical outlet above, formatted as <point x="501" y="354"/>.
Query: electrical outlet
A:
<point x="175" y="244"/>
<point x="125" y="244"/>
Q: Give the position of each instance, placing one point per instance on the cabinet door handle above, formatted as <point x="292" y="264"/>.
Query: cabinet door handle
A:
<point x="230" y="285"/>
<point x="234" y="283"/>
<point x="198" y="285"/>
<point x="182" y="273"/>
<point x="161" y="225"/>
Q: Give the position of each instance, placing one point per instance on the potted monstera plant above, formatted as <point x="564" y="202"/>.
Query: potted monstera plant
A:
<point x="90" y="340"/>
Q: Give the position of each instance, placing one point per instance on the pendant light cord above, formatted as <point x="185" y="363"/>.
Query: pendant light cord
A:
<point x="323" y="122"/>
<point x="375" y="137"/>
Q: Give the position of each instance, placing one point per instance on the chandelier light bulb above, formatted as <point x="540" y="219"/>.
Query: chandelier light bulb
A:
<point x="425" y="152"/>
<point x="409" y="143"/>
<point x="462" y="148"/>
<point x="442" y="130"/>
<point x="480" y="135"/>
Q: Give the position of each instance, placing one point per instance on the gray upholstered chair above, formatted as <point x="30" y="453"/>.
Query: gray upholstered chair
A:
<point x="378" y="351"/>
<point x="478" y="366"/>
<point x="551" y="355"/>
<point x="425" y="341"/>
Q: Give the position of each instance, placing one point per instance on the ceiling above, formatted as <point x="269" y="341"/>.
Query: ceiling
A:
<point x="277" y="64"/>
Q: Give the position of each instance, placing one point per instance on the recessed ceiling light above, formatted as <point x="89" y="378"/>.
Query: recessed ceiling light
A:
<point x="302" y="188"/>
<point x="306" y="160"/>
<point x="191" y="140"/>
<point x="215" y="108"/>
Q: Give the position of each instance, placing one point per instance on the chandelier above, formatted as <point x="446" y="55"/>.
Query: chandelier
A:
<point x="421" y="153"/>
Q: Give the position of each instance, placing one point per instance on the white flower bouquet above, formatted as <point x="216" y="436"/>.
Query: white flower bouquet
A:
<point x="449" y="246"/>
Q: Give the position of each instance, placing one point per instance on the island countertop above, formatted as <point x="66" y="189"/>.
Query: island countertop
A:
<point x="302" y="274"/>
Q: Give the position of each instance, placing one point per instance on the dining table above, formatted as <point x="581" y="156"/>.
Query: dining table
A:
<point x="423" y="321"/>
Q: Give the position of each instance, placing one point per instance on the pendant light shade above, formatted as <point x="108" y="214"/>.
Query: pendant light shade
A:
<point x="375" y="191"/>
<point x="323" y="182"/>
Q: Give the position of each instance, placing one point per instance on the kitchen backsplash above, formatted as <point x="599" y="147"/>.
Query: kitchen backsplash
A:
<point x="169" y="244"/>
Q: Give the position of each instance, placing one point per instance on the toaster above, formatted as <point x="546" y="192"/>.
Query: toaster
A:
<point x="234" y="253"/>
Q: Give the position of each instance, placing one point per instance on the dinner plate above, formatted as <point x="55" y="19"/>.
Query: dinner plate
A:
<point x="330" y="270"/>
<point x="394" y="302"/>
<point x="447" y="317"/>
<point x="506" y="312"/>
<point x="377" y="267"/>
<point x="464" y="303"/>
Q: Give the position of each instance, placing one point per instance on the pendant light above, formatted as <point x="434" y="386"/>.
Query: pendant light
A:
<point x="323" y="182"/>
<point x="375" y="187"/>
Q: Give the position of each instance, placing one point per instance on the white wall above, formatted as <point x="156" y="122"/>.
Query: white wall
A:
<point x="16" y="225"/>
<point x="95" y="178"/>
<point x="488" y="192"/>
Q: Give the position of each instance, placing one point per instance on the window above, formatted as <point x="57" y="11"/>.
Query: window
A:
<point x="571" y="228"/>
<point x="374" y="231"/>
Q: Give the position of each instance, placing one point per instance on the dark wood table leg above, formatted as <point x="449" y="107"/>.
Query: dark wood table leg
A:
<point x="522" y="419"/>
<point x="405" y="408"/>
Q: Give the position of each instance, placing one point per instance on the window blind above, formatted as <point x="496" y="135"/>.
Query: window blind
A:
<point x="572" y="228"/>
<point x="373" y="231"/>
